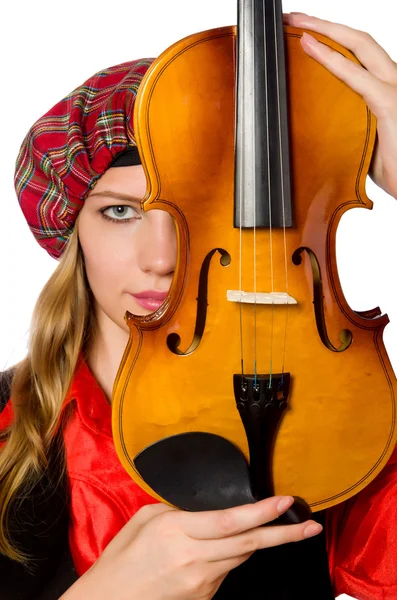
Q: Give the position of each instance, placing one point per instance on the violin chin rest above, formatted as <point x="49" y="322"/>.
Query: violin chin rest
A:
<point x="201" y="471"/>
<point x="196" y="471"/>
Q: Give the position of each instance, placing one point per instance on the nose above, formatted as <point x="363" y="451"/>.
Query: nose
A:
<point x="157" y="248"/>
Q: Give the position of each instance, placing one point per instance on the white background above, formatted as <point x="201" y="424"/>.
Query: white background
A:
<point x="49" y="47"/>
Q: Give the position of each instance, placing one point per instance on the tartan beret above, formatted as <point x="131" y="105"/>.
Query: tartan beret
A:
<point x="71" y="146"/>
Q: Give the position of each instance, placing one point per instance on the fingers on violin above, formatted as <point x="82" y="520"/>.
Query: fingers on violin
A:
<point x="351" y="73"/>
<point x="380" y="96"/>
<point x="218" y="524"/>
<point x="245" y="544"/>
<point x="276" y="535"/>
<point x="362" y="44"/>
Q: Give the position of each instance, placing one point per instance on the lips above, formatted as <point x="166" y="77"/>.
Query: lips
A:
<point x="154" y="294"/>
<point x="150" y="299"/>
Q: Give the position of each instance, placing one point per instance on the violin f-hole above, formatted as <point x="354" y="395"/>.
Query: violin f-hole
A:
<point x="345" y="336"/>
<point x="174" y="340"/>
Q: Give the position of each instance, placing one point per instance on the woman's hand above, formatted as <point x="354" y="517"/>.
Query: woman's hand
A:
<point x="376" y="83"/>
<point x="168" y="554"/>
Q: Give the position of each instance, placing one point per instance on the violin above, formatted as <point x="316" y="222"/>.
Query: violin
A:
<point x="255" y="377"/>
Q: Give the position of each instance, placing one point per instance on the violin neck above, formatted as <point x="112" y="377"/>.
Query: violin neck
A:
<point x="262" y="169"/>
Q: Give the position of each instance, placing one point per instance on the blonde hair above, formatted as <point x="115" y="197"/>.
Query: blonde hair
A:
<point x="61" y="323"/>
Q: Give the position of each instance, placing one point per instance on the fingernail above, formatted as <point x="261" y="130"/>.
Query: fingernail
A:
<point x="284" y="503"/>
<point x="312" y="529"/>
<point x="299" y="13"/>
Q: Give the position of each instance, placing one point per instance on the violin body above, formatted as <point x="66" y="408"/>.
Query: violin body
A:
<point x="338" y="428"/>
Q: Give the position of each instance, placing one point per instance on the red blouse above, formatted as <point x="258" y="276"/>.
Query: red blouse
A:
<point x="362" y="540"/>
<point x="103" y="496"/>
<point x="361" y="533"/>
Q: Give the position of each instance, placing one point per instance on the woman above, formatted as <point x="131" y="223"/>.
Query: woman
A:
<point x="79" y="181"/>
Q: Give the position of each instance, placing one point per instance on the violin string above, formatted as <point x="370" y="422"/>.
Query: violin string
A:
<point x="269" y="193"/>
<point x="241" y="282"/>
<point x="241" y="341"/>
<point x="240" y="275"/>
<point x="253" y="129"/>
<point x="240" y="158"/>
<point x="282" y="197"/>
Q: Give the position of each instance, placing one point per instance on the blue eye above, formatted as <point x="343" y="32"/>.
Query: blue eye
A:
<point x="120" y="213"/>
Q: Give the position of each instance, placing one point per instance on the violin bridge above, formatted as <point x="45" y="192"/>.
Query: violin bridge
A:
<point x="259" y="297"/>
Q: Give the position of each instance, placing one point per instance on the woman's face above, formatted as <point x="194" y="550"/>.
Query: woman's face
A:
<point x="129" y="255"/>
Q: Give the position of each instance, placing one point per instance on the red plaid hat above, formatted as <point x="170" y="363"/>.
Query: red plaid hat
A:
<point x="71" y="146"/>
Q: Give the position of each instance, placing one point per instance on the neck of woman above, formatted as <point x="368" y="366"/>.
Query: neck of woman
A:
<point x="106" y="351"/>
